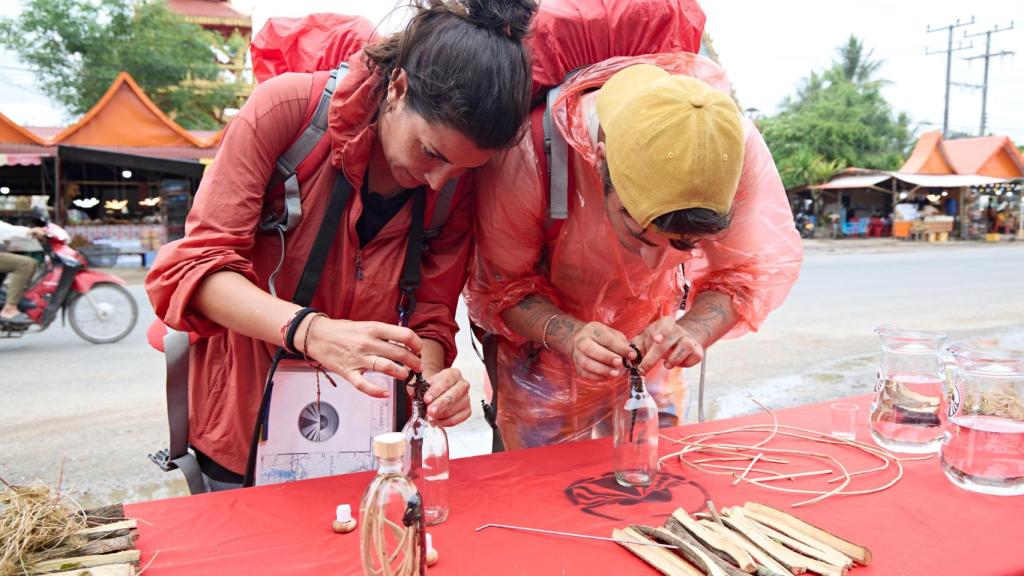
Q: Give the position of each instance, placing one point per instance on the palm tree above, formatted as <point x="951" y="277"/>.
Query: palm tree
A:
<point x="855" y="63"/>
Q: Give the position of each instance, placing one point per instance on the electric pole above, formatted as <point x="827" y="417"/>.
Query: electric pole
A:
<point x="987" y="56"/>
<point x="949" y="62"/>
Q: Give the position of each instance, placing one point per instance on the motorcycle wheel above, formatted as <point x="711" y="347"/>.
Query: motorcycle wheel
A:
<point x="105" y="314"/>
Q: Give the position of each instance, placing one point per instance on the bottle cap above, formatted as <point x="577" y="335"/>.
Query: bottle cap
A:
<point x="389" y="445"/>
<point x="343" y="513"/>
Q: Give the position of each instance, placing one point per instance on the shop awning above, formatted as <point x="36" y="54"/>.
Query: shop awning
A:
<point x="183" y="168"/>
<point x="947" y="180"/>
<point x="854" y="182"/>
<point x="20" y="159"/>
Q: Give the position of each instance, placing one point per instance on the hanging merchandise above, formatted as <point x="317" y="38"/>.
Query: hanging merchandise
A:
<point x="636" y="431"/>
<point x="426" y="445"/>
<point x="392" y="538"/>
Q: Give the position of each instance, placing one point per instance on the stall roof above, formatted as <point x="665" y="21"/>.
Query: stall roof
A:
<point x="928" y="156"/>
<point x="125" y="116"/>
<point x="858" y="181"/>
<point x="12" y="133"/>
<point x="861" y="181"/>
<point x="994" y="156"/>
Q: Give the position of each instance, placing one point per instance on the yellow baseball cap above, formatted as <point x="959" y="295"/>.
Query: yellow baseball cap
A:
<point x="672" y="142"/>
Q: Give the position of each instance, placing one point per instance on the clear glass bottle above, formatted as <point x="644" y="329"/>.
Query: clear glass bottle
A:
<point x="426" y="445"/>
<point x="636" y="434"/>
<point x="392" y="534"/>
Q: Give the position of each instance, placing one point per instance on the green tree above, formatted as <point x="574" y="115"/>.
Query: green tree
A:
<point x="78" y="47"/>
<point x="837" y="118"/>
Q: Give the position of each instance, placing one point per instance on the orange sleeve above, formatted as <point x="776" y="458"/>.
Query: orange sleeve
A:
<point x="222" y="223"/>
<point x="510" y="239"/>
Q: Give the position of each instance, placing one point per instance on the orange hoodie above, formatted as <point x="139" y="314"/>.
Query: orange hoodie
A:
<point x="227" y="369"/>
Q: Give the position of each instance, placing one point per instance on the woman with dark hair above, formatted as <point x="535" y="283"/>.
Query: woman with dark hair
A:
<point x="418" y="109"/>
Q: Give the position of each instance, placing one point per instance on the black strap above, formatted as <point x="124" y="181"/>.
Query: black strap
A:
<point x="489" y="343"/>
<point x="308" y="282"/>
<point x="408" y="285"/>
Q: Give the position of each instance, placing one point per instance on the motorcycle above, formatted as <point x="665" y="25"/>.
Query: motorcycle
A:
<point x="96" y="304"/>
<point x="805" y="225"/>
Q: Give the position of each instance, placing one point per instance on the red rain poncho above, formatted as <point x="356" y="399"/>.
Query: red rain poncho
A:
<point x="585" y="271"/>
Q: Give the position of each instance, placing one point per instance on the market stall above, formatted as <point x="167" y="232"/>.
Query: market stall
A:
<point x="922" y="524"/>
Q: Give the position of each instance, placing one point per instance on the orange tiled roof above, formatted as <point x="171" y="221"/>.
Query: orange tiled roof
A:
<point x="928" y="156"/>
<point x="12" y="133"/>
<point x="125" y="116"/>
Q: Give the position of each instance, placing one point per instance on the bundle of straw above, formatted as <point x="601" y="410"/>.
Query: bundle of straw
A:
<point x="36" y="523"/>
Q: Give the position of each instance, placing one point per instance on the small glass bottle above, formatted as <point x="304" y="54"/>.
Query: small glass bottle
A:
<point x="392" y="533"/>
<point x="636" y="433"/>
<point x="426" y="444"/>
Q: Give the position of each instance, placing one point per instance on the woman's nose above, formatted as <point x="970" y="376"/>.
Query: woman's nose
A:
<point x="440" y="175"/>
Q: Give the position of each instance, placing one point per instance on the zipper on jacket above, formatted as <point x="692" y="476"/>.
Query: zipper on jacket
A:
<point x="359" y="264"/>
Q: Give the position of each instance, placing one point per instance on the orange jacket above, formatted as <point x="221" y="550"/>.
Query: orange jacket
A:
<point x="227" y="369"/>
<point x="586" y="272"/>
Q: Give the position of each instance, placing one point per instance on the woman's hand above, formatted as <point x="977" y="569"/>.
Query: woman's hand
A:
<point x="448" y="397"/>
<point x="597" y="351"/>
<point x="670" y="341"/>
<point x="349" y="348"/>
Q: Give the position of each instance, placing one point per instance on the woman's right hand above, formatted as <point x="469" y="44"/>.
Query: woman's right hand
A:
<point x="350" y="348"/>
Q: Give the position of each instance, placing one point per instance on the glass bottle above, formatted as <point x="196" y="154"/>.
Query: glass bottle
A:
<point x="636" y="433"/>
<point x="392" y="533"/>
<point x="909" y="411"/>
<point x="426" y="444"/>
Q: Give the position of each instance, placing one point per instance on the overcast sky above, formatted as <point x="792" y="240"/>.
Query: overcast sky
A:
<point x="767" y="48"/>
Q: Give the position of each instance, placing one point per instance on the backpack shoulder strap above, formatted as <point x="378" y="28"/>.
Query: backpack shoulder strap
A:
<point x="556" y="151"/>
<point x="442" y="208"/>
<point x="286" y="168"/>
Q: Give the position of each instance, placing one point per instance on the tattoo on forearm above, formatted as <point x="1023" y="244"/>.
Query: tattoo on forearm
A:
<point x="708" y="320"/>
<point x="562" y="328"/>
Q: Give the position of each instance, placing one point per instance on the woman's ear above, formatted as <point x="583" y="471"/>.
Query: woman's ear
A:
<point x="601" y="152"/>
<point x="397" y="88"/>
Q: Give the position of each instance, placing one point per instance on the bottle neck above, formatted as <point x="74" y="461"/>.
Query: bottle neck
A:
<point x="419" y="408"/>
<point x="389" y="466"/>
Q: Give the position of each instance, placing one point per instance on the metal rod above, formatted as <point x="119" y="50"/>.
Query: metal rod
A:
<point x="570" y="534"/>
<point x="700" y="389"/>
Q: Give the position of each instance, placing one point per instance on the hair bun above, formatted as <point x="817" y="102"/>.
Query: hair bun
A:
<point x="512" y="17"/>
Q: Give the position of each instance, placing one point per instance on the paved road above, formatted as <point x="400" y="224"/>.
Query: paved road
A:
<point x="99" y="409"/>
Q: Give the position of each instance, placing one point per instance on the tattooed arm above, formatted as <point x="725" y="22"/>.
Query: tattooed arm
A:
<point x="682" y="343"/>
<point x="595" y="349"/>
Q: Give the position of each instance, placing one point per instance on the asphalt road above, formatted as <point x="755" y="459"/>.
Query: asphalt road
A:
<point x="97" y="410"/>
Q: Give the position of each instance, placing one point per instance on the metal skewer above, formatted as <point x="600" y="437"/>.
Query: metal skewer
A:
<point x="573" y="535"/>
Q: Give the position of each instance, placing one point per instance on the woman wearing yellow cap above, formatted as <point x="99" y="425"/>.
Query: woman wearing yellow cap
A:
<point x="665" y="176"/>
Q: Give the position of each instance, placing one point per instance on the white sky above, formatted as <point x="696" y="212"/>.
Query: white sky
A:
<point x="767" y="47"/>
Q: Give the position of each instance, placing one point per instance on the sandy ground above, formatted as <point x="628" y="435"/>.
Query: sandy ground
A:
<point x="99" y="410"/>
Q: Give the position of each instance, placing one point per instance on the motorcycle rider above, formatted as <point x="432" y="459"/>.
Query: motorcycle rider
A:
<point x="21" y="268"/>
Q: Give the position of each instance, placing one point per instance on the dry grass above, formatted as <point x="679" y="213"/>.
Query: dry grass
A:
<point x="37" y="523"/>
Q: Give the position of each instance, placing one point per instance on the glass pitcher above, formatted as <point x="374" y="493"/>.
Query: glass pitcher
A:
<point x="983" y="449"/>
<point x="909" y="411"/>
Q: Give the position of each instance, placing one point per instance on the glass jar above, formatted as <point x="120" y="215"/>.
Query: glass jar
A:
<point x="909" y="410"/>
<point x="983" y="450"/>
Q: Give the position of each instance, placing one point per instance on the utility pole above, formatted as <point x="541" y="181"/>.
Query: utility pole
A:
<point x="949" y="62"/>
<point x="987" y="56"/>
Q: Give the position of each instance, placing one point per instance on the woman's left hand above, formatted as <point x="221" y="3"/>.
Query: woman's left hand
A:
<point x="448" y="397"/>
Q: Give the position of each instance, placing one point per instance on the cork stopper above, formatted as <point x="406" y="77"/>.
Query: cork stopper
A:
<point x="389" y="445"/>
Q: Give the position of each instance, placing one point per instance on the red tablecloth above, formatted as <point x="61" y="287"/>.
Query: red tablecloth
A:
<point x="923" y="525"/>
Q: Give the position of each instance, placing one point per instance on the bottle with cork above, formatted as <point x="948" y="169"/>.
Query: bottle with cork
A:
<point x="426" y="446"/>
<point x="392" y="535"/>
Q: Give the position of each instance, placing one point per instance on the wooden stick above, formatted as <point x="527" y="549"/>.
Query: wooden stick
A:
<point x="767" y="566"/>
<point x="80" y="562"/>
<point x="107" y="545"/>
<point x="689" y="553"/>
<point x="790" y="476"/>
<point x="842" y="562"/>
<point x="712" y="540"/>
<point x="662" y="560"/>
<point x="788" y="559"/>
<point x="103" y="529"/>
<point x="108" y="570"/>
<point x="825" y="552"/>
<point x="104" y="515"/>
<point x="780" y="552"/>
<point x="859" y="553"/>
<point x="721" y="558"/>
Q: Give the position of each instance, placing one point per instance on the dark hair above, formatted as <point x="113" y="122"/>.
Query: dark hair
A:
<point x="694" y="222"/>
<point x="466" y="64"/>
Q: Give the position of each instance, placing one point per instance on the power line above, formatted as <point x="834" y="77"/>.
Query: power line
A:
<point x="949" y="62"/>
<point x="987" y="56"/>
